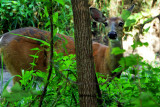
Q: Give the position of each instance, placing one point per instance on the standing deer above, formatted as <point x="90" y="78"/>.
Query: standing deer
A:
<point x="17" y="49"/>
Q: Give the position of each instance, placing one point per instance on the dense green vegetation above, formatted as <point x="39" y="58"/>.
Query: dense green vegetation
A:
<point x="138" y="85"/>
<point x="24" y="13"/>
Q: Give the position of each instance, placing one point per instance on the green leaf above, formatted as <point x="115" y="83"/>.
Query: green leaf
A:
<point x="138" y="44"/>
<point x="54" y="33"/>
<point x="147" y="29"/>
<point x="33" y="64"/>
<point x="46" y="11"/>
<point x="119" y="69"/>
<point x="125" y="14"/>
<point x="60" y="1"/>
<point x="55" y="17"/>
<point x="35" y="49"/>
<point x="148" y="19"/>
<point x="6" y="84"/>
<point x="42" y="41"/>
<point x="34" y="56"/>
<point x="47" y="24"/>
<point x="129" y="22"/>
<point x="130" y="60"/>
<point x="117" y="51"/>
<point x="132" y="19"/>
<point x="8" y="7"/>
<point x="145" y="44"/>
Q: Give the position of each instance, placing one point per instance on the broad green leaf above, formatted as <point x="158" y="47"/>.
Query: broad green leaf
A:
<point x="147" y="29"/>
<point x="47" y="24"/>
<point x="119" y="69"/>
<point x="125" y="14"/>
<point x="130" y="60"/>
<point x="60" y="1"/>
<point x="55" y="17"/>
<point x="129" y="22"/>
<point x="46" y="11"/>
<point x="117" y="51"/>
<point x="132" y="19"/>
<point x="6" y="84"/>
<point x="55" y="32"/>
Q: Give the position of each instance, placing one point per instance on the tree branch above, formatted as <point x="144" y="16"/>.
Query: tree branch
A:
<point x="142" y="25"/>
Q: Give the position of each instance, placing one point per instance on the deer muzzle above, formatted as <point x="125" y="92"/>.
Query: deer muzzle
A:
<point x="112" y="35"/>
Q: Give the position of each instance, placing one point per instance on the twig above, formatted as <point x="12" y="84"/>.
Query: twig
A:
<point x="142" y="25"/>
<point x="99" y="99"/>
<point x="51" y="57"/>
<point x="110" y="79"/>
<point x="74" y="98"/>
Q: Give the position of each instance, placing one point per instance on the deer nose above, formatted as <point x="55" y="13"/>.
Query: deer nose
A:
<point x="112" y="35"/>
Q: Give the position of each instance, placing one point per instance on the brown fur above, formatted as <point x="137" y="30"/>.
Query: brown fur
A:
<point x="17" y="50"/>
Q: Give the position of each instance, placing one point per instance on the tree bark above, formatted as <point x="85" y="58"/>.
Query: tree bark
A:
<point x="84" y="57"/>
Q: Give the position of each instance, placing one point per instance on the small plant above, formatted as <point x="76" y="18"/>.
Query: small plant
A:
<point x="62" y="88"/>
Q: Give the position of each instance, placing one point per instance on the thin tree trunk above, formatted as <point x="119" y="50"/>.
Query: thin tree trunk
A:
<point x="84" y="57"/>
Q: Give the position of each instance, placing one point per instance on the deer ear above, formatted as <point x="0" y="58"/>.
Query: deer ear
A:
<point x="131" y="8"/>
<point x="97" y="15"/>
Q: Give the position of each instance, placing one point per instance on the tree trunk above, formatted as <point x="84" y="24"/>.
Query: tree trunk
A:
<point x="84" y="57"/>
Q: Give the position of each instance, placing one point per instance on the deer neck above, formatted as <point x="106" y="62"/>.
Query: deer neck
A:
<point x="114" y="59"/>
<point x="115" y="43"/>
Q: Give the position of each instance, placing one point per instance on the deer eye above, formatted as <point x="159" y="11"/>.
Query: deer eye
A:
<point x="121" y="24"/>
<point x="105" y="23"/>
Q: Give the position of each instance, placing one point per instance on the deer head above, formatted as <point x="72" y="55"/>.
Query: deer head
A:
<point x="113" y="25"/>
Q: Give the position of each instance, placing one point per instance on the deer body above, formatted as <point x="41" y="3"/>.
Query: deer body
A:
<point x="16" y="49"/>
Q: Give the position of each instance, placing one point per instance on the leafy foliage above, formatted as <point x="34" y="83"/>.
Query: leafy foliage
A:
<point x="137" y="86"/>
<point x="62" y="87"/>
<point x="24" y="13"/>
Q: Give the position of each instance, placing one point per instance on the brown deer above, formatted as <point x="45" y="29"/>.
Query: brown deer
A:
<point x="17" y="49"/>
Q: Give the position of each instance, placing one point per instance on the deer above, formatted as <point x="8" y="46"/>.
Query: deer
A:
<point x="16" y="49"/>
